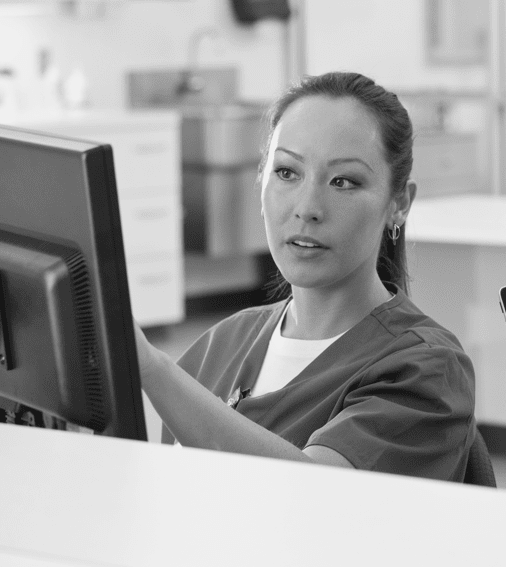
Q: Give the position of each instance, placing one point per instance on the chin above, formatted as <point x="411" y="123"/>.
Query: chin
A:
<point x="307" y="281"/>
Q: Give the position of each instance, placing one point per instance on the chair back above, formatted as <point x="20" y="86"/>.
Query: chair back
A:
<point x="479" y="466"/>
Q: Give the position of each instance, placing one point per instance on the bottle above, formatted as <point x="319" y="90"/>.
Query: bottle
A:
<point x="75" y="90"/>
<point x="50" y="83"/>
<point x="8" y="92"/>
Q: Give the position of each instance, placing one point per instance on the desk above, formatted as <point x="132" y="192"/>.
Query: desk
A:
<point x="457" y="258"/>
<point x="75" y="499"/>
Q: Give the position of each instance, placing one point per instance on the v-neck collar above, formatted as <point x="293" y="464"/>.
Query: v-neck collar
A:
<point x="343" y="347"/>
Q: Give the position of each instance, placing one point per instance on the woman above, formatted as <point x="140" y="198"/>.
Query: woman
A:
<point x="346" y="371"/>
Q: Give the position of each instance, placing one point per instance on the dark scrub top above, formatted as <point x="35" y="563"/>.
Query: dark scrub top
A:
<point x="393" y="394"/>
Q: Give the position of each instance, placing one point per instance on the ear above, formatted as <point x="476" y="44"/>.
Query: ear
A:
<point x="403" y="202"/>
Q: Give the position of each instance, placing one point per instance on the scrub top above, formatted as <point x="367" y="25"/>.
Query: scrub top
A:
<point x="394" y="394"/>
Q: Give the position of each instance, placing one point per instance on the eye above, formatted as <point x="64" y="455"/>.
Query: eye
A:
<point x="284" y="173"/>
<point x="343" y="183"/>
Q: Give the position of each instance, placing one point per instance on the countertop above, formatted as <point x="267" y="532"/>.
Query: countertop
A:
<point x="91" y="118"/>
<point x="474" y="219"/>
<point x="77" y="499"/>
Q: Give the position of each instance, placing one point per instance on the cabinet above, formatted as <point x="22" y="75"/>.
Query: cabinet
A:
<point x="456" y="252"/>
<point x="445" y="163"/>
<point x="26" y="7"/>
<point x="457" y="31"/>
<point x="146" y="150"/>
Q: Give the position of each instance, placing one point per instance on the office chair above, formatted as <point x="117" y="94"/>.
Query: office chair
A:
<point x="479" y="466"/>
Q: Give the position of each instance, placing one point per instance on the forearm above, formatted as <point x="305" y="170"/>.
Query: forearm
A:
<point x="198" y="418"/>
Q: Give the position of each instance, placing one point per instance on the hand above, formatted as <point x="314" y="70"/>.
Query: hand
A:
<point x="146" y="352"/>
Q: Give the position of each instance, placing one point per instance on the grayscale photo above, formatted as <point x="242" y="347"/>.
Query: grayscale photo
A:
<point x="252" y="283"/>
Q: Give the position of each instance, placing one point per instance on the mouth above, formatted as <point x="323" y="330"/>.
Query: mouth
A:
<point x="306" y="242"/>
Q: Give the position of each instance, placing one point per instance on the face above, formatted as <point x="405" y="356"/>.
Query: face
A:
<point x="325" y="193"/>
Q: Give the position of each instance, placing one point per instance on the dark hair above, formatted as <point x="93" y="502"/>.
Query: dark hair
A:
<point x="397" y="136"/>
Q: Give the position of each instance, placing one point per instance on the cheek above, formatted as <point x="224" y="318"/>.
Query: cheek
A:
<point x="272" y="205"/>
<point x="361" y="225"/>
<point x="368" y="230"/>
<point x="270" y="215"/>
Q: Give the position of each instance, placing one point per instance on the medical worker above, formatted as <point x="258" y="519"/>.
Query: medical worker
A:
<point x="345" y="370"/>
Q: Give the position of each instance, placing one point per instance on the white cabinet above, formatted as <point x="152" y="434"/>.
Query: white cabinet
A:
<point x="146" y="150"/>
<point x="457" y="31"/>
<point x="445" y="163"/>
<point x="457" y="251"/>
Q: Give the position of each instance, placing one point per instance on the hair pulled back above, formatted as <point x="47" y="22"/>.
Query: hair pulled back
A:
<point x="397" y="137"/>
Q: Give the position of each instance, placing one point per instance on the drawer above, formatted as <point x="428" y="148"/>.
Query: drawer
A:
<point x="441" y="158"/>
<point x="151" y="223"/>
<point x="156" y="290"/>
<point x="222" y="212"/>
<point x="143" y="157"/>
<point x="146" y="159"/>
<point x="433" y="187"/>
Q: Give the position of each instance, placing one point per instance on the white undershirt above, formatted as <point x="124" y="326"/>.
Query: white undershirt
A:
<point x="286" y="358"/>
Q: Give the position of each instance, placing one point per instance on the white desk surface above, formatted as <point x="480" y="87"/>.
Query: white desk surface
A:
<point x="76" y="499"/>
<point x="473" y="219"/>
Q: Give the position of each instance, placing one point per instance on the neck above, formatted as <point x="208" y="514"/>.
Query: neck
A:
<point x="320" y="313"/>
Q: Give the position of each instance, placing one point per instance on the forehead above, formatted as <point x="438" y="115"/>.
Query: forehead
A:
<point x="322" y="126"/>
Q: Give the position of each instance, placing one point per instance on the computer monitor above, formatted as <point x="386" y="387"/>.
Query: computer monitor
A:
<point x="67" y="342"/>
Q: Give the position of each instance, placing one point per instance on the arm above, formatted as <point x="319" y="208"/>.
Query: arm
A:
<point x="197" y="418"/>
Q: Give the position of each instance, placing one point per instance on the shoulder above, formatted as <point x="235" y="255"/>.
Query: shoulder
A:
<point x="402" y="319"/>
<point x="419" y="346"/>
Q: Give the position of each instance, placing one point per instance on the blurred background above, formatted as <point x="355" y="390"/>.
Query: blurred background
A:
<point x="179" y="88"/>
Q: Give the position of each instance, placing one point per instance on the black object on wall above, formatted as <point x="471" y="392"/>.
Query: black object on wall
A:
<point x="250" y="11"/>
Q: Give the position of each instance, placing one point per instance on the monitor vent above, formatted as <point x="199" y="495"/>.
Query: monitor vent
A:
<point x="88" y="350"/>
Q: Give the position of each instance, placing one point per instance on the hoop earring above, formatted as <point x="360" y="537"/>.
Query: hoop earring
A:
<point x="394" y="233"/>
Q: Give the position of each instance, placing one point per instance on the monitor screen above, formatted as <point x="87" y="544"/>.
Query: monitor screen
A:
<point x="67" y="342"/>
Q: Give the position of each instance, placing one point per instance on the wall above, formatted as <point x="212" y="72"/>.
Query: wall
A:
<point x="385" y="40"/>
<point x="141" y="35"/>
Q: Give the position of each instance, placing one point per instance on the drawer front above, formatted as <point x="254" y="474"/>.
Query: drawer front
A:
<point x="444" y="160"/>
<point x="223" y="212"/>
<point x="142" y="158"/>
<point x="146" y="159"/>
<point x="156" y="290"/>
<point x="152" y="223"/>
<point x="444" y="186"/>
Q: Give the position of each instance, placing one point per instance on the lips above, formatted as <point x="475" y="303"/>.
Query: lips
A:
<point x="308" y="242"/>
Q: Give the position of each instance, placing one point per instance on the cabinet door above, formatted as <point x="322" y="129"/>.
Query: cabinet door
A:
<point x="156" y="289"/>
<point x="151" y="224"/>
<point x="457" y="31"/>
<point x="145" y="160"/>
<point x="445" y="164"/>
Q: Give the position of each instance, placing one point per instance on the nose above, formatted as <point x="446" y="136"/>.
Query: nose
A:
<point x="309" y="207"/>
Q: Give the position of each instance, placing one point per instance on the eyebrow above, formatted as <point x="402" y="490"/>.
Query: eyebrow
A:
<point x="334" y="161"/>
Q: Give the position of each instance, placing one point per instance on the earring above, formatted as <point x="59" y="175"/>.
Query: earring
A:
<point x="394" y="233"/>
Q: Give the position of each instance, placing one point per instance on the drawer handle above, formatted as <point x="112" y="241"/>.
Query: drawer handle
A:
<point x="446" y="163"/>
<point x="154" y="148"/>
<point x="154" y="279"/>
<point x="152" y="213"/>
